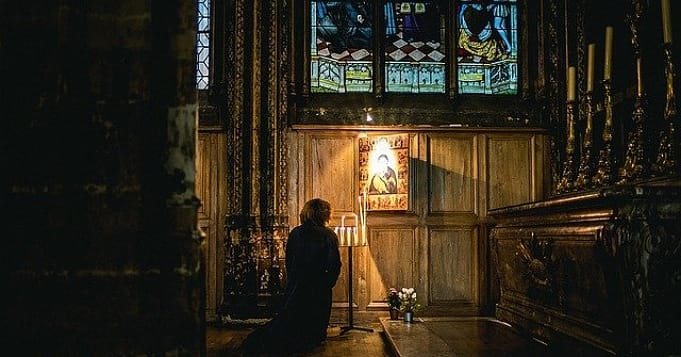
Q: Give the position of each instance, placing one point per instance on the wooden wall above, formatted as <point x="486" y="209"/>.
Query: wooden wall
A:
<point x="211" y="164"/>
<point x="438" y="245"/>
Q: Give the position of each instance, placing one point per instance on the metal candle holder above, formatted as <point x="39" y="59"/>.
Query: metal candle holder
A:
<point x="667" y="162"/>
<point x="583" y="180"/>
<point x="634" y="166"/>
<point x="605" y="171"/>
<point x="566" y="182"/>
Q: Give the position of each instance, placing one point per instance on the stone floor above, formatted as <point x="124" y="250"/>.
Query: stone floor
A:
<point x="451" y="336"/>
<point x="441" y="336"/>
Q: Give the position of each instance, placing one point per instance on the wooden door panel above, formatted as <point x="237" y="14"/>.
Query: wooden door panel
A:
<point x="453" y="265"/>
<point x="452" y="173"/>
<point x="392" y="261"/>
<point x="510" y="170"/>
<point x="332" y="170"/>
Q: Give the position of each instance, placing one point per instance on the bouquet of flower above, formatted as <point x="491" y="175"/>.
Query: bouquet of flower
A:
<point x="408" y="302"/>
<point x="393" y="299"/>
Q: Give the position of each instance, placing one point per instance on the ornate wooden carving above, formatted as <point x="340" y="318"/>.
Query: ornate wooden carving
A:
<point x="580" y="63"/>
<point x="601" y="274"/>
<point x="645" y="240"/>
<point x="257" y="225"/>
<point x="539" y="268"/>
<point x="556" y="89"/>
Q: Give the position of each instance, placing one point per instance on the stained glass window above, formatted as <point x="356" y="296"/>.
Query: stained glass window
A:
<point x="414" y="47"/>
<point x="413" y="40"/>
<point x="341" y="47"/>
<point x="487" y="47"/>
<point x="203" y="45"/>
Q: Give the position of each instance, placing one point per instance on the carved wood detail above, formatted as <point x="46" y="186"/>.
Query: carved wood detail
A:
<point x="594" y="273"/>
<point x="257" y="222"/>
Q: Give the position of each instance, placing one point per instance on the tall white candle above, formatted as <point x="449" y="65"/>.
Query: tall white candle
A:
<point x="607" y="63"/>
<point x="666" y="22"/>
<point x="590" y="67"/>
<point x="571" y="83"/>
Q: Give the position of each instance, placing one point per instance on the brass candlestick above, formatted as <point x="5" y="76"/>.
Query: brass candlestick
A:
<point x="585" y="169"/>
<point x="605" y="173"/>
<point x="634" y="167"/>
<point x="566" y="182"/>
<point x="667" y="162"/>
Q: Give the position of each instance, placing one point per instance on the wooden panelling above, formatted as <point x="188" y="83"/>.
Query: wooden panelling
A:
<point x="437" y="245"/>
<point x="210" y="189"/>
<point x="340" y="291"/>
<point x="205" y="170"/>
<point x="453" y="273"/>
<point x="393" y="253"/>
<point x="452" y="173"/>
<point x="332" y="170"/>
<point x="510" y="170"/>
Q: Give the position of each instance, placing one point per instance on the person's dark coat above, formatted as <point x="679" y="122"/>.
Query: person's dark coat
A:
<point x="312" y="266"/>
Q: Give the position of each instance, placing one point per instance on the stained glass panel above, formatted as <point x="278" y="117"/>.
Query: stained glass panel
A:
<point x="203" y="45"/>
<point x="415" y="39"/>
<point x="341" y="47"/>
<point x="487" y="48"/>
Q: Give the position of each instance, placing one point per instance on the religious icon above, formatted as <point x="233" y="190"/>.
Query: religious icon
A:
<point x="384" y="171"/>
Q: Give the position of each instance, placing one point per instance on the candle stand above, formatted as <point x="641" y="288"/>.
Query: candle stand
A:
<point x="351" y="320"/>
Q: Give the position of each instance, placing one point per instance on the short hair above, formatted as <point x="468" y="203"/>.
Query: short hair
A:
<point x="383" y="156"/>
<point x="316" y="211"/>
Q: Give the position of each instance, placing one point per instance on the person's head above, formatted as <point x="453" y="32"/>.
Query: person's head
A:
<point x="382" y="161"/>
<point x="316" y="211"/>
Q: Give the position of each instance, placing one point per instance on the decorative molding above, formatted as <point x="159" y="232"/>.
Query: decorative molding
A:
<point x="555" y="88"/>
<point x="539" y="269"/>
<point x="645" y="240"/>
<point x="257" y="226"/>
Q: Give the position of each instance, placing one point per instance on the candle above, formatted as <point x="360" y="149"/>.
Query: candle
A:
<point x="639" y="77"/>
<point x="571" y="83"/>
<point x="342" y="236"/>
<point x="607" y="63"/>
<point x="355" y="232"/>
<point x="590" y="68"/>
<point x="666" y="22"/>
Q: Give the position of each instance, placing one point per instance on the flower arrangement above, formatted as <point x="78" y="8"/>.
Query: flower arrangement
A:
<point x="408" y="302"/>
<point x="393" y="299"/>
